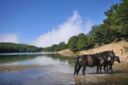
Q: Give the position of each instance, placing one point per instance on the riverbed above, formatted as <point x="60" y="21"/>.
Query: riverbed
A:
<point x="48" y="69"/>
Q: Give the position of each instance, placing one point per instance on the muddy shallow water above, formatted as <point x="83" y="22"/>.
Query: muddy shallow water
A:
<point x="52" y="70"/>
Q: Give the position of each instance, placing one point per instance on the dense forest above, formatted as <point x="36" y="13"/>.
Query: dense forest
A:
<point x="13" y="47"/>
<point x="113" y="28"/>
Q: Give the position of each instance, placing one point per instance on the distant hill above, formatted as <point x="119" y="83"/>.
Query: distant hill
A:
<point x="6" y="47"/>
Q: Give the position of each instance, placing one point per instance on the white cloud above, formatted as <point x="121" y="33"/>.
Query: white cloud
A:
<point x="72" y="26"/>
<point x="9" y="38"/>
<point x="88" y="25"/>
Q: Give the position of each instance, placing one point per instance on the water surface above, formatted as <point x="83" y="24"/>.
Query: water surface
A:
<point x="46" y="69"/>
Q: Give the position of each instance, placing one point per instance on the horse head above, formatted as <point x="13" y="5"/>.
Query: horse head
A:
<point x="117" y="59"/>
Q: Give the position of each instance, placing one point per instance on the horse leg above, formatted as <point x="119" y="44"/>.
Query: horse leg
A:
<point x="100" y="68"/>
<point x="105" y="68"/>
<point x="108" y="68"/>
<point x="84" y="68"/>
<point x="97" y="69"/>
<point x="111" y="68"/>
<point x="75" y="67"/>
<point x="78" y="69"/>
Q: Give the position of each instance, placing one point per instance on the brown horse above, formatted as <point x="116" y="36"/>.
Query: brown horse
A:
<point x="108" y="64"/>
<point x="87" y="60"/>
<point x="98" y="60"/>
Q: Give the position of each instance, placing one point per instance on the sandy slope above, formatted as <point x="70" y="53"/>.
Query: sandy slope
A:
<point x="66" y="52"/>
<point x="117" y="47"/>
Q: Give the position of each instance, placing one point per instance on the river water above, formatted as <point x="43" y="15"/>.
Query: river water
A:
<point x="43" y="69"/>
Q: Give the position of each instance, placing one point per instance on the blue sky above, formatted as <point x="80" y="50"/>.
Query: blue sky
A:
<point x="37" y="21"/>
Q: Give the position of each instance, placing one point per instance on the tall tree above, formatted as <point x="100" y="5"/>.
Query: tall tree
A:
<point x="82" y="41"/>
<point x="72" y="43"/>
<point x="117" y="18"/>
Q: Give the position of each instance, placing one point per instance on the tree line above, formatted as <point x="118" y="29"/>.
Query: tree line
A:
<point x="113" y="28"/>
<point x="13" y="47"/>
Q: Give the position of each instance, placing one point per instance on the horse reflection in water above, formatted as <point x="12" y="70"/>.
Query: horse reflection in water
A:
<point x="105" y="59"/>
<point x="86" y="80"/>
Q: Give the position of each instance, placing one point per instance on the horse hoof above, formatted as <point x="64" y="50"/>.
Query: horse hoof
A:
<point x="83" y="74"/>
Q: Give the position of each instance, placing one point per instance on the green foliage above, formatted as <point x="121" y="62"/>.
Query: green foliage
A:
<point x="102" y="34"/>
<point x="82" y="41"/>
<point x="62" y="45"/>
<point x="56" y="47"/>
<point x="72" y="43"/>
<point x="79" y="42"/>
<point x="117" y="18"/>
<point x="115" y="26"/>
<point x="12" y="47"/>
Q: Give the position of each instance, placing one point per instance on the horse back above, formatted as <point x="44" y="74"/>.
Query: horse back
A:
<point x="90" y="60"/>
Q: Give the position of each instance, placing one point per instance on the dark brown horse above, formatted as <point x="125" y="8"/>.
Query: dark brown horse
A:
<point x="98" y="60"/>
<point x="109" y="63"/>
<point x="87" y="60"/>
